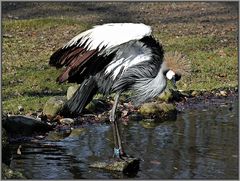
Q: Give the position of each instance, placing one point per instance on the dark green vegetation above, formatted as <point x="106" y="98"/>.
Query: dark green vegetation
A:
<point x="205" y="32"/>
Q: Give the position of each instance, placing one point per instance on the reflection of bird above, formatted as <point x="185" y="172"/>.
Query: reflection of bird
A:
<point x="113" y="58"/>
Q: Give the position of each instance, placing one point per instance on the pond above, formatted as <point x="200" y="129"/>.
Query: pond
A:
<point x="201" y="144"/>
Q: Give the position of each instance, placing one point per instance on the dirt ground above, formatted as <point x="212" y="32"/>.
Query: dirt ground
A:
<point x="176" y="18"/>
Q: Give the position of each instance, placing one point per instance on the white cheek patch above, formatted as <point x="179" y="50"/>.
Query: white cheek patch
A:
<point x="170" y="74"/>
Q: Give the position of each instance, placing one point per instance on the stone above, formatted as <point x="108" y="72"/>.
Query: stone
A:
<point x="127" y="166"/>
<point x="54" y="105"/>
<point x="71" y="90"/>
<point x="223" y="93"/>
<point x="194" y="93"/>
<point x="67" y="121"/>
<point x="25" y="125"/>
<point x="157" y="110"/>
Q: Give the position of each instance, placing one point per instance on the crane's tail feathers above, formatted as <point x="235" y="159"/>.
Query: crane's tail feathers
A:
<point x="74" y="59"/>
<point x="80" y="99"/>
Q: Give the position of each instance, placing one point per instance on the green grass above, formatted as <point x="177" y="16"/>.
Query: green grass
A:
<point x="214" y="65"/>
<point x="28" y="80"/>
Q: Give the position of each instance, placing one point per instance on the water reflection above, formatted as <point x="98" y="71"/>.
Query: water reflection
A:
<point x="200" y="144"/>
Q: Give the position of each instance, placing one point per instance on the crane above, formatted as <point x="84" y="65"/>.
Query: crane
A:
<point x="113" y="58"/>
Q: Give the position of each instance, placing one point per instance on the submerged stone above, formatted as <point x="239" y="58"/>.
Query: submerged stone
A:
<point x="148" y="123"/>
<point x="54" y="105"/>
<point x="127" y="166"/>
<point x="77" y="132"/>
<point x="59" y="134"/>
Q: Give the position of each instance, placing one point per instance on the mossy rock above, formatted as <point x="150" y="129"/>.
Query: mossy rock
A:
<point x="157" y="110"/>
<point x="171" y="95"/>
<point x="166" y="96"/>
<point x="126" y="166"/>
<point x="54" y="105"/>
<point x="8" y="173"/>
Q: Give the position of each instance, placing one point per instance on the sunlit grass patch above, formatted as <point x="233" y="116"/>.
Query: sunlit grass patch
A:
<point x="28" y="80"/>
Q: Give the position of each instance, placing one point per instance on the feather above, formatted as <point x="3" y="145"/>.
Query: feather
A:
<point x="99" y="42"/>
<point x="109" y="35"/>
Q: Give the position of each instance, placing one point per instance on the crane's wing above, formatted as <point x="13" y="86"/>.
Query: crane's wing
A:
<point x="135" y="61"/>
<point x="84" y="54"/>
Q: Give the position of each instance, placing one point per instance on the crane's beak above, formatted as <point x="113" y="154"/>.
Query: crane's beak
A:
<point x="174" y="82"/>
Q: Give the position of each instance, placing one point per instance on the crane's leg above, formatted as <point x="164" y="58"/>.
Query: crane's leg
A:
<point x="118" y="149"/>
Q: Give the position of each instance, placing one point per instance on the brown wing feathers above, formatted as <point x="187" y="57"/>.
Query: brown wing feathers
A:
<point x="74" y="58"/>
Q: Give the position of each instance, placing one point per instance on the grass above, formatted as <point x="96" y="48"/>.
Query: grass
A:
<point x="28" y="80"/>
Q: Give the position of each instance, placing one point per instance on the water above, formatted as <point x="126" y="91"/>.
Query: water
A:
<point x="201" y="144"/>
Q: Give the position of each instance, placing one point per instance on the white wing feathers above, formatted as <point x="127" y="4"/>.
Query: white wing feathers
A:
<point x="110" y="35"/>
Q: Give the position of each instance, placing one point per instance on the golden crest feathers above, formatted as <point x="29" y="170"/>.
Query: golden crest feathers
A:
<point x="177" y="62"/>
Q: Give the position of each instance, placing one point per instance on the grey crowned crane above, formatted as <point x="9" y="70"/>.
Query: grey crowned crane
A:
<point x="113" y="58"/>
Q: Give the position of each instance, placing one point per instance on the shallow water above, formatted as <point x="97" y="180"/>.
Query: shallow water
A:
<point x="200" y="144"/>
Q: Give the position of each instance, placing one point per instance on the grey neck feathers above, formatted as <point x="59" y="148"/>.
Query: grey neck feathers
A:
<point x="147" y="88"/>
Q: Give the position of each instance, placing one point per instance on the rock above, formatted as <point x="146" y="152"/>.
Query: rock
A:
<point x="66" y="121"/>
<point x="8" y="173"/>
<point x="223" y="93"/>
<point x="158" y="110"/>
<point x="54" y="105"/>
<point x="170" y="95"/>
<point x="77" y="132"/>
<point x="25" y="125"/>
<point x="71" y="90"/>
<point x="127" y="166"/>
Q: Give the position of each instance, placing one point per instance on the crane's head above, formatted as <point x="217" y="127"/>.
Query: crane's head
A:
<point x="176" y="65"/>
<point x="173" y="76"/>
